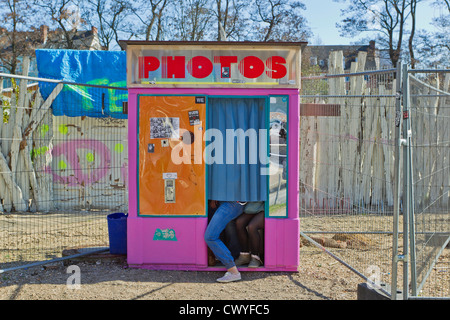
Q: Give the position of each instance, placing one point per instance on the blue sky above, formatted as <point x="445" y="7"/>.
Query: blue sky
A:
<point x="323" y="15"/>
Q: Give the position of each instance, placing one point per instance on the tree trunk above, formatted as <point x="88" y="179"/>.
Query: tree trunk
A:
<point x="411" y="36"/>
<point x="20" y="189"/>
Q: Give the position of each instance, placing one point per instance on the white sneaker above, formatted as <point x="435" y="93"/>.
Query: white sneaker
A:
<point x="230" y="277"/>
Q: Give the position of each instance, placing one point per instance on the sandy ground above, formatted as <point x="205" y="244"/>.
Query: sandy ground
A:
<point x="319" y="278"/>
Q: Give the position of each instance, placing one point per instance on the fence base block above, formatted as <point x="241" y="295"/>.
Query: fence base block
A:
<point x="366" y="292"/>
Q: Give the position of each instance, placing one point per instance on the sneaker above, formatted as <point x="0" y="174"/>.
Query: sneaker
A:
<point x="255" y="262"/>
<point x="243" y="259"/>
<point x="230" y="277"/>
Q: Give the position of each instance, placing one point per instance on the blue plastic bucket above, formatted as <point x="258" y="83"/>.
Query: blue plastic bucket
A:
<point x="117" y="229"/>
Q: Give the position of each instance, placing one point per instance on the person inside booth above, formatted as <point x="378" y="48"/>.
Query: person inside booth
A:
<point x="225" y="213"/>
<point x="235" y="226"/>
<point x="237" y="174"/>
<point x="248" y="225"/>
<point x="229" y="236"/>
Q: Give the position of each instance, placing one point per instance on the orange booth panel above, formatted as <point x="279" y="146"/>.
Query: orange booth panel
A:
<point x="172" y="175"/>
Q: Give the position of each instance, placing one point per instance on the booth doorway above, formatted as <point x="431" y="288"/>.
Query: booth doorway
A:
<point x="236" y="155"/>
<point x="234" y="164"/>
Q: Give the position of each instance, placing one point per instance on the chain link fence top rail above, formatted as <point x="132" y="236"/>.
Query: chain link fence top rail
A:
<point x="347" y="164"/>
<point x="430" y="121"/>
<point x="59" y="175"/>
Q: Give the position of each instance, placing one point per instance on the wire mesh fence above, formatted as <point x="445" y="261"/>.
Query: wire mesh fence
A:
<point x="374" y="174"/>
<point x="63" y="167"/>
<point x="430" y="228"/>
<point x="347" y="164"/>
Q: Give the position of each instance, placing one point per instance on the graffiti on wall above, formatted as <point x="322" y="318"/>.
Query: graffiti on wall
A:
<point x="66" y="155"/>
<point x="89" y="161"/>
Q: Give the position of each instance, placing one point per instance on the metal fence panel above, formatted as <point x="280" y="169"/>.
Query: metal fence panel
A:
<point x="430" y="116"/>
<point x="347" y="165"/>
<point x="374" y="174"/>
<point x="59" y="176"/>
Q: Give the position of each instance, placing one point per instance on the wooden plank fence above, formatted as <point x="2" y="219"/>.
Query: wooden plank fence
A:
<point x="347" y="159"/>
<point x="431" y="159"/>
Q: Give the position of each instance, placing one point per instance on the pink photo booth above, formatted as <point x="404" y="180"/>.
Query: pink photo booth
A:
<point x="180" y="95"/>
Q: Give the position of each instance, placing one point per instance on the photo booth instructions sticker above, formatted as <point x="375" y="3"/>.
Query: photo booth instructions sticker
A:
<point x="194" y="117"/>
<point x="164" y="128"/>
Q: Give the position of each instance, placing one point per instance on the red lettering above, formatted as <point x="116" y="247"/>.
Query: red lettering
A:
<point x="251" y="67"/>
<point x="277" y="69"/>
<point x="147" y="64"/>
<point x="225" y="62"/>
<point x="173" y="67"/>
<point x="200" y="67"/>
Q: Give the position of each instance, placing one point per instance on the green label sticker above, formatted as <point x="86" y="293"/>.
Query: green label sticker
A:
<point x="165" y="235"/>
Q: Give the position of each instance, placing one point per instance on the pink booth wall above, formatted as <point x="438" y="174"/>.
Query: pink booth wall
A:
<point x="189" y="252"/>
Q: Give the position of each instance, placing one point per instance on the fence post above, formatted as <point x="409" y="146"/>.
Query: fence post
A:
<point x="397" y="151"/>
<point x="410" y="188"/>
<point x="406" y="203"/>
<point x="408" y="214"/>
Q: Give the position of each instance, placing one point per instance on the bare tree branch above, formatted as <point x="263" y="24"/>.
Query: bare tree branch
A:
<point x="151" y="13"/>
<point x="61" y="14"/>
<point x="15" y="41"/>
<point x="109" y="16"/>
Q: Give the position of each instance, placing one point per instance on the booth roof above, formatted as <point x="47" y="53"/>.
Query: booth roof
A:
<point x="125" y="43"/>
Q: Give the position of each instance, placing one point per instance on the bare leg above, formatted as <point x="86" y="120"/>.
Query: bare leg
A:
<point x="233" y="270"/>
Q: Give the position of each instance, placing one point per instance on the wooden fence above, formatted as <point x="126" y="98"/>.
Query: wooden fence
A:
<point x="347" y="158"/>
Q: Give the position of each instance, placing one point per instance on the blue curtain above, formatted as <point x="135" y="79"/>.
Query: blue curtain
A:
<point x="235" y="174"/>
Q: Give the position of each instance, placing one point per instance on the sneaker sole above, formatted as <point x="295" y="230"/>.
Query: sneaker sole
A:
<point x="226" y="281"/>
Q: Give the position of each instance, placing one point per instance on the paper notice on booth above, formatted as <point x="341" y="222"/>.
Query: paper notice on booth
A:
<point x="194" y="117"/>
<point x="164" y="128"/>
<point x="170" y="175"/>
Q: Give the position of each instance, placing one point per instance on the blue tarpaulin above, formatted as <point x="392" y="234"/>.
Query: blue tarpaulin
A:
<point x="106" y="68"/>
